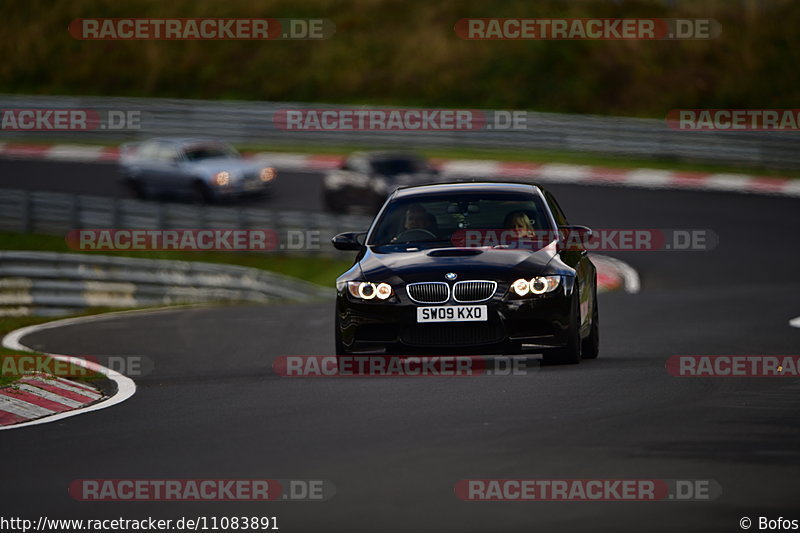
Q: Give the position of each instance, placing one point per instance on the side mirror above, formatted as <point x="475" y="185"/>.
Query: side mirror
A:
<point x="574" y="238"/>
<point x="348" y="241"/>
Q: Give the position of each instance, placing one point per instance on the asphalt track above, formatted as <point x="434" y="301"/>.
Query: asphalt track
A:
<point x="395" y="447"/>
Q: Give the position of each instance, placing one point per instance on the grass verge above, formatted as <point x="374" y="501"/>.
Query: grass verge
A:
<point x="321" y="270"/>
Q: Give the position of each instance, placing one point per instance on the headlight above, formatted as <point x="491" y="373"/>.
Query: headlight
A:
<point x="267" y="174"/>
<point x="521" y="287"/>
<point x="537" y="285"/>
<point x="365" y="290"/>
<point x="222" y="178"/>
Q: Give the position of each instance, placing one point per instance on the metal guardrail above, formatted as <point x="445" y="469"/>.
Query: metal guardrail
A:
<point x="47" y="283"/>
<point x="52" y="284"/>
<point x="252" y="122"/>
<point x="57" y="213"/>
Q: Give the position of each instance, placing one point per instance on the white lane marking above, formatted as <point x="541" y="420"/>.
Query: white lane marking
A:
<point x="564" y="173"/>
<point x="795" y="322"/>
<point x="74" y="152"/>
<point x="471" y="167"/>
<point x="291" y="161"/>
<point x="650" y="178"/>
<point x="630" y="278"/>
<point x="792" y="188"/>
<point x="66" y="387"/>
<point x="728" y="182"/>
<point x="125" y="385"/>
<point x="47" y="395"/>
<point x="22" y="408"/>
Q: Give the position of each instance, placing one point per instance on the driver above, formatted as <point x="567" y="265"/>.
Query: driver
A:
<point x="416" y="218"/>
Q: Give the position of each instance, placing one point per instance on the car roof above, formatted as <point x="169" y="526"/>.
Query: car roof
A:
<point x="467" y="187"/>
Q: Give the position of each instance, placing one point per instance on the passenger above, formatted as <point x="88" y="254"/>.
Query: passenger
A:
<point x="520" y="223"/>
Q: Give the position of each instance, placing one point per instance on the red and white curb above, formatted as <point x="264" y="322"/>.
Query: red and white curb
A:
<point x="38" y="399"/>
<point x="523" y="171"/>
<point x="39" y="395"/>
<point x="614" y="274"/>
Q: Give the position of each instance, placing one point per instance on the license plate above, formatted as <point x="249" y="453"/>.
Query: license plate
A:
<point x="452" y="313"/>
<point x="252" y="185"/>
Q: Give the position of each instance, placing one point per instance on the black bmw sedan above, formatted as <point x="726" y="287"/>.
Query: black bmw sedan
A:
<point x="468" y="268"/>
<point x="365" y="179"/>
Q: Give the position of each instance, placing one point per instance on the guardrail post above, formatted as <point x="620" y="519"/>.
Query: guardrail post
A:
<point x="201" y="217"/>
<point x="161" y="216"/>
<point x="27" y="212"/>
<point x="116" y="213"/>
<point x="75" y="212"/>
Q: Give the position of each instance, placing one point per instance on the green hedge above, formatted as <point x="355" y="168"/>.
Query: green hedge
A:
<point x="406" y="52"/>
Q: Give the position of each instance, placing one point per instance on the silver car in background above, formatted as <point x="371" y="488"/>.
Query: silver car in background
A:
<point x="200" y="169"/>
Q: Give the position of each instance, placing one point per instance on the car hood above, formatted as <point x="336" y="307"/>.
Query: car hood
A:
<point x="467" y="263"/>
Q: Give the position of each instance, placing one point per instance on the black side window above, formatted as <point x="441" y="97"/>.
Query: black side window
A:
<point x="561" y="219"/>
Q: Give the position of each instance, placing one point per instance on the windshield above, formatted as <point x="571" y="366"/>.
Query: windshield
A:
<point x="209" y="151"/>
<point x="390" y="167"/>
<point x="441" y="220"/>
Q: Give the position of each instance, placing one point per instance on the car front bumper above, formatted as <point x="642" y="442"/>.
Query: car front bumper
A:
<point x="512" y="323"/>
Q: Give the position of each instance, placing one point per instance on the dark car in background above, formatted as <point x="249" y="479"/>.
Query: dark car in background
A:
<point x="200" y="169"/>
<point x="365" y="179"/>
<point x="418" y="285"/>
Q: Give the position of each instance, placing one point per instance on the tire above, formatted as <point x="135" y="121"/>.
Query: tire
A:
<point x="136" y="188"/>
<point x="327" y="201"/>
<point x="591" y="344"/>
<point x="340" y="349"/>
<point x="571" y="353"/>
<point x="397" y="350"/>
<point x="201" y="194"/>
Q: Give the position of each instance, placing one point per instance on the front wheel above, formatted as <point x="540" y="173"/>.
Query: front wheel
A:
<point x="201" y="194"/>
<point x="591" y="344"/>
<point x="569" y="354"/>
<point x="340" y="349"/>
<point x="136" y="189"/>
